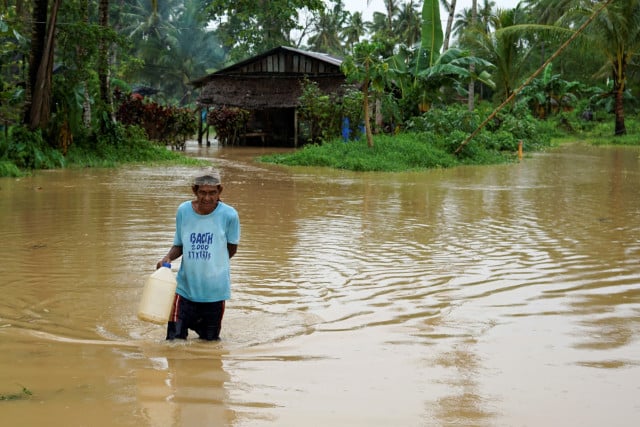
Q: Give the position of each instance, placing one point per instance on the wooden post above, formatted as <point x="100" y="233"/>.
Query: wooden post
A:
<point x="200" y="126"/>
<point x="295" y="127"/>
<point x="520" y="150"/>
<point x="206" y="123"/>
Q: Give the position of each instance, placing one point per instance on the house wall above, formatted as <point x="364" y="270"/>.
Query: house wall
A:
<point x="269" y="85"/>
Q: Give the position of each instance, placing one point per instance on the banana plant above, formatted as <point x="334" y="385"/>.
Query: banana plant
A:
<point x="550" y="93"/>
<point x="419" y="72"/>
<point x="432" y="37"/>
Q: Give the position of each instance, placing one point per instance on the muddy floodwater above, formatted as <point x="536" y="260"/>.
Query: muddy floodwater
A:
<point x="477" y="296"/>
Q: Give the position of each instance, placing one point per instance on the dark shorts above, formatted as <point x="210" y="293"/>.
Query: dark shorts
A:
<point x="205" y="318"/>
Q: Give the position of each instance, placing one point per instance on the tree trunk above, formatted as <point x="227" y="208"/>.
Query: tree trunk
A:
<point x="618" y="86"/>
<point x="379" y="117"/>
<point x="38" y="34"/>
<point x="86" y="104"/>
<point x="472" y="68"/>
<point x="103" y="62"/>
<point x="365" y="106"/>
<point x="447" y="35"/>
<point x="40" y="111"/>
<point x="619" y="83"/>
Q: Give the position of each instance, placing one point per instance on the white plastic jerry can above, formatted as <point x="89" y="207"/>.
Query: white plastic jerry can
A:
<point x="158" y="295"/>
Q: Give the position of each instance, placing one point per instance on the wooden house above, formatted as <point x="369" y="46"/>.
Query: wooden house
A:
<point x="269" y="87"/>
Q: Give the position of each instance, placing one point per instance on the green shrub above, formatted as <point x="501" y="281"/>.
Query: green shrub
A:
<point x="8" y="168"/>
<point x="502" y="133"/>
<point x="132" y="146"/>
<point x="440" y="120"/>
<point x="27" y="150"/>
<point x="391" y="153"/>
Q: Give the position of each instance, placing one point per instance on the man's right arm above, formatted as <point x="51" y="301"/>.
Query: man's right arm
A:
<point x="174" y="253"/>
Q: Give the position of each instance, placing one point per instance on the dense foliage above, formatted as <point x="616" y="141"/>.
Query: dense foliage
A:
<point x="61" y="60"/>
<point x="166" y="124"/>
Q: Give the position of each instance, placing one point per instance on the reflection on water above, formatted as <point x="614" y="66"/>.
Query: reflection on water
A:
<point x="478" y="296"/>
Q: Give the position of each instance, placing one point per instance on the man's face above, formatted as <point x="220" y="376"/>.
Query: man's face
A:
<point x="208" y="196"/>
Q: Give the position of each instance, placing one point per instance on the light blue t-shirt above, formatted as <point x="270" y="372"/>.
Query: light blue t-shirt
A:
<point x="204" y="274"/>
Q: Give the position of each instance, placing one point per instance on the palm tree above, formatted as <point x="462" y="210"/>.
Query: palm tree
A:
<point x="378" y="23"/>
<point x="172" y="40"/>
<point x="392" y="9"/>
<point x="381" y="34"/>
<point x="615" y="33"/>
<point x="327" y="30"/>
<point x="353" y="31"/>
<point x="548" y="11"/>
<point x="503" y="48"/>
<point x="475" y="20"/>
<point x="196" y="52"/>
<point x="465" y="18"/>
<point x="408" y="24"/>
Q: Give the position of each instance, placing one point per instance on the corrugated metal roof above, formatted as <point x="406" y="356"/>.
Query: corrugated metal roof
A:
<point x="317" y="55"/>
<point x="323" y="57"/>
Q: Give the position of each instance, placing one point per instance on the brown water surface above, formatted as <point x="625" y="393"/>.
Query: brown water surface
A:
<point x="477" y="296"/>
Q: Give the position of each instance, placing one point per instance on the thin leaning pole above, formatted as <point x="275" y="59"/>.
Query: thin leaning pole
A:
<point x="533" y="76"/>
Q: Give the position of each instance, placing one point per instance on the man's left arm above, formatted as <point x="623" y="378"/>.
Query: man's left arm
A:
<point x="232" y="249"/>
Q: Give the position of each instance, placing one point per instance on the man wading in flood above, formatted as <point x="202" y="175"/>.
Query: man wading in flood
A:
<point x="207" y="236"/>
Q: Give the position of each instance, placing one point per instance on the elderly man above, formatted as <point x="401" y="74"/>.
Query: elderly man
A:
<point x="207" y="236"/>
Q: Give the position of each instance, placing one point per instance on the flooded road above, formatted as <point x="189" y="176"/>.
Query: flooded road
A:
<point x="478" y="296"/>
